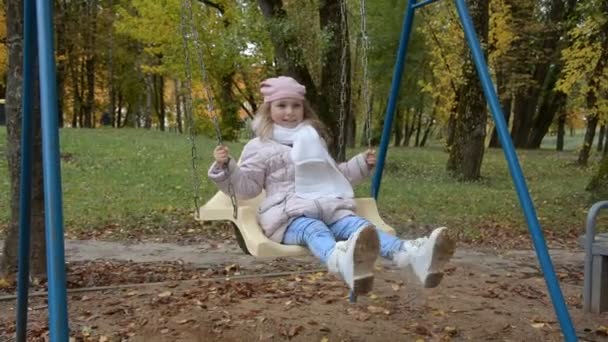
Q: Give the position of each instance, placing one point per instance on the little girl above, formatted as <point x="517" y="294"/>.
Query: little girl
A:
<point x="309" y="198"/>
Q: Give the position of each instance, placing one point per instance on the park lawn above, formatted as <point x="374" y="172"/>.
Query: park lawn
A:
<point x="142" y="180"/>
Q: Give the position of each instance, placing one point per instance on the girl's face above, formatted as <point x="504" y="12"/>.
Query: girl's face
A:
<point x="287" y="113"/>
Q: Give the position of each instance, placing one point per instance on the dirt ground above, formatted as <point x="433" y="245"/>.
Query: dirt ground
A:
<point x="212" y="292"/>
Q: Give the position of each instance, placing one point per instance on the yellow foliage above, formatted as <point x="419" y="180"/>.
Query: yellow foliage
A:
<point x="446" y="42"/>
<point x="581" y="58"/>
<point x="501" y="34"/>
<point x="5" y="284"/>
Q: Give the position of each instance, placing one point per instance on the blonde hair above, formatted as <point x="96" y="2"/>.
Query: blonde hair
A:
<point x="262" y="123"/>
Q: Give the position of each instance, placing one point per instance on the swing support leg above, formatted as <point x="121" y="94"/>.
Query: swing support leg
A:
<point x="503" y="134"/>
<point x="404" y="40"/>
<point x="38" y="40"/>
<point x="525" y="200"/>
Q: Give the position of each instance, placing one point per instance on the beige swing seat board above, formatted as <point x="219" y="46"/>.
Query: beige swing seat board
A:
<point x="219" y="208"/>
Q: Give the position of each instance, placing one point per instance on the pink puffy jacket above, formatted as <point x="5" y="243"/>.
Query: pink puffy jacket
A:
<point x="267" y="165"/>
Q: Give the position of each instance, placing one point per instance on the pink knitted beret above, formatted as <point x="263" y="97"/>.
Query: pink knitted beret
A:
<point x="282" y="87"/>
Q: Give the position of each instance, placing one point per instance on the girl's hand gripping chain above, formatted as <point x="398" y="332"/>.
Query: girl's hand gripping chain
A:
<point x="370" y="158"/>
<point x="221" y="154"/>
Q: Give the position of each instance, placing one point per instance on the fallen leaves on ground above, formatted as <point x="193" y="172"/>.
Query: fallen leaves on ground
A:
<point x="86" y="274"/>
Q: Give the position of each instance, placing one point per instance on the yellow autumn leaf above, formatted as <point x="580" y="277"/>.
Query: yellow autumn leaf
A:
<point x="4" y="283"/>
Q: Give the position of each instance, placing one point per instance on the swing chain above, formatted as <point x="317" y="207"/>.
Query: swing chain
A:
<point x="188" y="107"/>
<point x="187" y="16"/>
<point x="365" y="85"/>
<point x="210" y="107"/>
<point x="205" y="78"/>
<point x="342" y="115"/>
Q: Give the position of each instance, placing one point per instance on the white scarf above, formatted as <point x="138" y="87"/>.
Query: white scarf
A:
<point x="284" y="135"/>
<point x="317" y="174"/>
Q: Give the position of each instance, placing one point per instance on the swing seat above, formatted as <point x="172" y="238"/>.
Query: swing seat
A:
<point x="249" y="234"/>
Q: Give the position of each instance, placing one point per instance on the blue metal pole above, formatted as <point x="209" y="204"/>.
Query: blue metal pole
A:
<point x="394" y="96"/>
<point x="58" y="318"/>
<point x="516" y="173"/>
<point x="25" y="186"/>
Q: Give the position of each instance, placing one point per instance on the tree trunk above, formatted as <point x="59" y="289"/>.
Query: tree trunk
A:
<point x="429" y="126"/>
<point x="418" y="128"/>
<point x="290" y="60"/>
<point x="81" y="109"/>
<point x="409" y="127"/>
<point x="184" y="104"/>
<point x="451" y="130"/>
<point x="427" y="132"/>
<point x="335" y="72"/>
<point x="544" y="119"/>
<point x="595" y="91"/>
<point x="112" y="108"/>
<point x="505" y="103"/>
<point x="178" y="106"/>
<point x="531" y="98"/>
<point x="90" y="63"/>
<point x="466" y="154"/>
<point x="230" y="119"/>
<point x="118" y="112"/>
<point x="524" y="107"/>
<point x="77" y="101"/>
<point x="551" y="103"/>
<point x="89" y="106"/>
<point x="8" y="262"/>
<point x="149" y="102"/>
<point x="131" y="115"/>
<point x="62" y="68"/>
<point x="600" y="140"/>
<point x="377" y="123"/>
<point x="598" y="186"/>
<point x="398" y="127"/>
<point x="111" y="88"/>
<point x="583" y="156"/>
<point x="452" y="122"/>
<point x="351" y="130"/>
<point x="523" y="67"/>
<point x="561" y="132"/>
<point x="159" y="100"/>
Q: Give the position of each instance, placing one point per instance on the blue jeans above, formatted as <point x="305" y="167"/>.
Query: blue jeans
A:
<point x="321" y="238"/>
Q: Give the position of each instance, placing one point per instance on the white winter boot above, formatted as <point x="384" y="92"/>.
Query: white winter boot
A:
<point x="427" y="256"/>
<point x="354" y="259"/>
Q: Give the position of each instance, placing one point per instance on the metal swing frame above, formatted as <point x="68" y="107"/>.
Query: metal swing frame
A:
<point x="38" y="38"/>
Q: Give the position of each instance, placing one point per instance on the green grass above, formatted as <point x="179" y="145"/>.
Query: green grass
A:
<point x="417" y="188"/>
<point x="122" y="176"/>
<point x="134" y="178"/>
